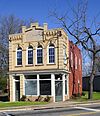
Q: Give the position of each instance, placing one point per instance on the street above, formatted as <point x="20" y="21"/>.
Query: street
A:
<point x="79" y="110"/>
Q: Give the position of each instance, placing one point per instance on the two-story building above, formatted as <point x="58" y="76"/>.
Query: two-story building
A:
<point x="39" y="63"/>
<point x="75" y="69"/>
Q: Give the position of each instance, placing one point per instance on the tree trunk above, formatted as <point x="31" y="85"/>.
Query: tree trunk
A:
<point x="90" y="92"/>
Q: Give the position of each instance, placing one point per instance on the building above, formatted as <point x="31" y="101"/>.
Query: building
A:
<point x="75" y="69"/>
<point x="39" y="63"/>
<point x="96" y="82"/>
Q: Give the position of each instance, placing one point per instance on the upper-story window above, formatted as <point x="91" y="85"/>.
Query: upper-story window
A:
<point x="76" y="62"/>
<point x="39" y="55"/>
<point x="30" y="55"/>
<point x="19" y="56"/>
<point x="51" y="53"/>
<point x="71" y="59"/>
<point x="64" y="54"/>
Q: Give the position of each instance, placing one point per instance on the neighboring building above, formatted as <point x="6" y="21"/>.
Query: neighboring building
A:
<point x="96" y="82"/>
<point x="39" y="64"/>
<point x="75" y="68"/>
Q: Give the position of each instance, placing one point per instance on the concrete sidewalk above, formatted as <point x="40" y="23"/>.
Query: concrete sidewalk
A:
<point x="56" y="105"/>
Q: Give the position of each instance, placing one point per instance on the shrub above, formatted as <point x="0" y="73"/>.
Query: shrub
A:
<point x="47" y="99"/>
<point x="39" y="98"/>
<point x="23" y="98"/>
<point x="83" y="94"/>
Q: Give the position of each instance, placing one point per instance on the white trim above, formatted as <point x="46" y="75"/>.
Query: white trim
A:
<point x="13" y="89"/>
<point x="63" y="78"/>
<point x="23" y="85"/>
<point x="53" y="86"/>
<point x="48" y="54"/>
<point x="38" y="85"/>
<point x="67" y="76"/>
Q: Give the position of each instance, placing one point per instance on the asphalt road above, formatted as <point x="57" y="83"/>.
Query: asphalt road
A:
<point x="83" y="110"/>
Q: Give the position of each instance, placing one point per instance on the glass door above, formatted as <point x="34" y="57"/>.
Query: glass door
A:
<point x="58" y="91"/>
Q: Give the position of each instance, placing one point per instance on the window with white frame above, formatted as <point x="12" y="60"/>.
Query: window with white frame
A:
<point x="51" y="53"/>
<point x="31" y="85"/>
<point x="75" y="61"/>
<point x="79" y="64"/>
<point x="71" y="59"/>
<point x="39" y="55"/>
<point x="30" y="55"/>
<point x="19" y="56"/>
<point x="45" y="84"/>
<point x="64" y="54"/>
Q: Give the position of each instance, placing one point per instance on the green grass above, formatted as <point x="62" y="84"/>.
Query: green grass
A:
<point x="96" y="96"/>
<point x="16" y="104"/>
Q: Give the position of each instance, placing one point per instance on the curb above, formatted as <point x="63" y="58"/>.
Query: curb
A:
<point x="49" y="106"/>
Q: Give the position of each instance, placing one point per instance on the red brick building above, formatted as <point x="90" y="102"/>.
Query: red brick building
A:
<point x="75" y="68"/>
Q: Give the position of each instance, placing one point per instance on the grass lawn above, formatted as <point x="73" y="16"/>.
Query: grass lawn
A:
<point x="96" y="96"/>
<point x="15" y="104"/>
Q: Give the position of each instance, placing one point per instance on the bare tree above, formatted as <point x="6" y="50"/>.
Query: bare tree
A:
<point x="8" y="25"/>
<point x="85" y="35"/>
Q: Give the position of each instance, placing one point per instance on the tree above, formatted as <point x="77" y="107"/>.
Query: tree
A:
<point x="84" y="34"/>
<point x="8" y="25"/>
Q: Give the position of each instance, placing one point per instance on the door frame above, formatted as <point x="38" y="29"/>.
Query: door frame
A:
<point x="16" y="81"/>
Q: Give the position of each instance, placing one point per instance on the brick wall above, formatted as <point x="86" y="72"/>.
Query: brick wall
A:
<point x="75" y="68"/>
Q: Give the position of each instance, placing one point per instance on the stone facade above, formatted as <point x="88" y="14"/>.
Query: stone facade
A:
<point x="56" y="74"/>
<point x="36" y="35"/>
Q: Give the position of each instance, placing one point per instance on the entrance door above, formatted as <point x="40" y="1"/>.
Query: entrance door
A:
<point x="58" y="91"/>
<point x="17" y="91"/>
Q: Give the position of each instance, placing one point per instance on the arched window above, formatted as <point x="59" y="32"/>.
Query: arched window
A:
<point x="30" y="55"/>
<point x="51" y="53"/>
<point x="19" y="56"/>
<point x="39" y="54"/>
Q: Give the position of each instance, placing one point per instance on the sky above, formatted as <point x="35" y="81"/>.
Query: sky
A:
<point x="39" y="10"/>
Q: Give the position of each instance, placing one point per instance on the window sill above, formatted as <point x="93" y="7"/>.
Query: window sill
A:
<point x="28" y="65"/>
<point x="31" y="95"/>
<point x="18" y="66"/>
<point x="51" y="64"/>
<point x="39" y="64"/>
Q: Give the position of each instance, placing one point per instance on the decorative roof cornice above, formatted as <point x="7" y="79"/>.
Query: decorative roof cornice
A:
<point x="14" y="37"/>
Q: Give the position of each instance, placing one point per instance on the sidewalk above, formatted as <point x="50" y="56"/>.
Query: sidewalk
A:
<point x="56" y="105"/>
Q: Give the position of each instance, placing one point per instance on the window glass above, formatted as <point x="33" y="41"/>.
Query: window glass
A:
<point x="66" y="87"/>
<point x="71" y="59"/>
<point x="30" y="87"/>
<point x="39" y="55"/>
<point x="75" y="61"/>
<point x="64" y="54"/>
<point x="45" y="87"/>
<point x="19" y="56"/>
